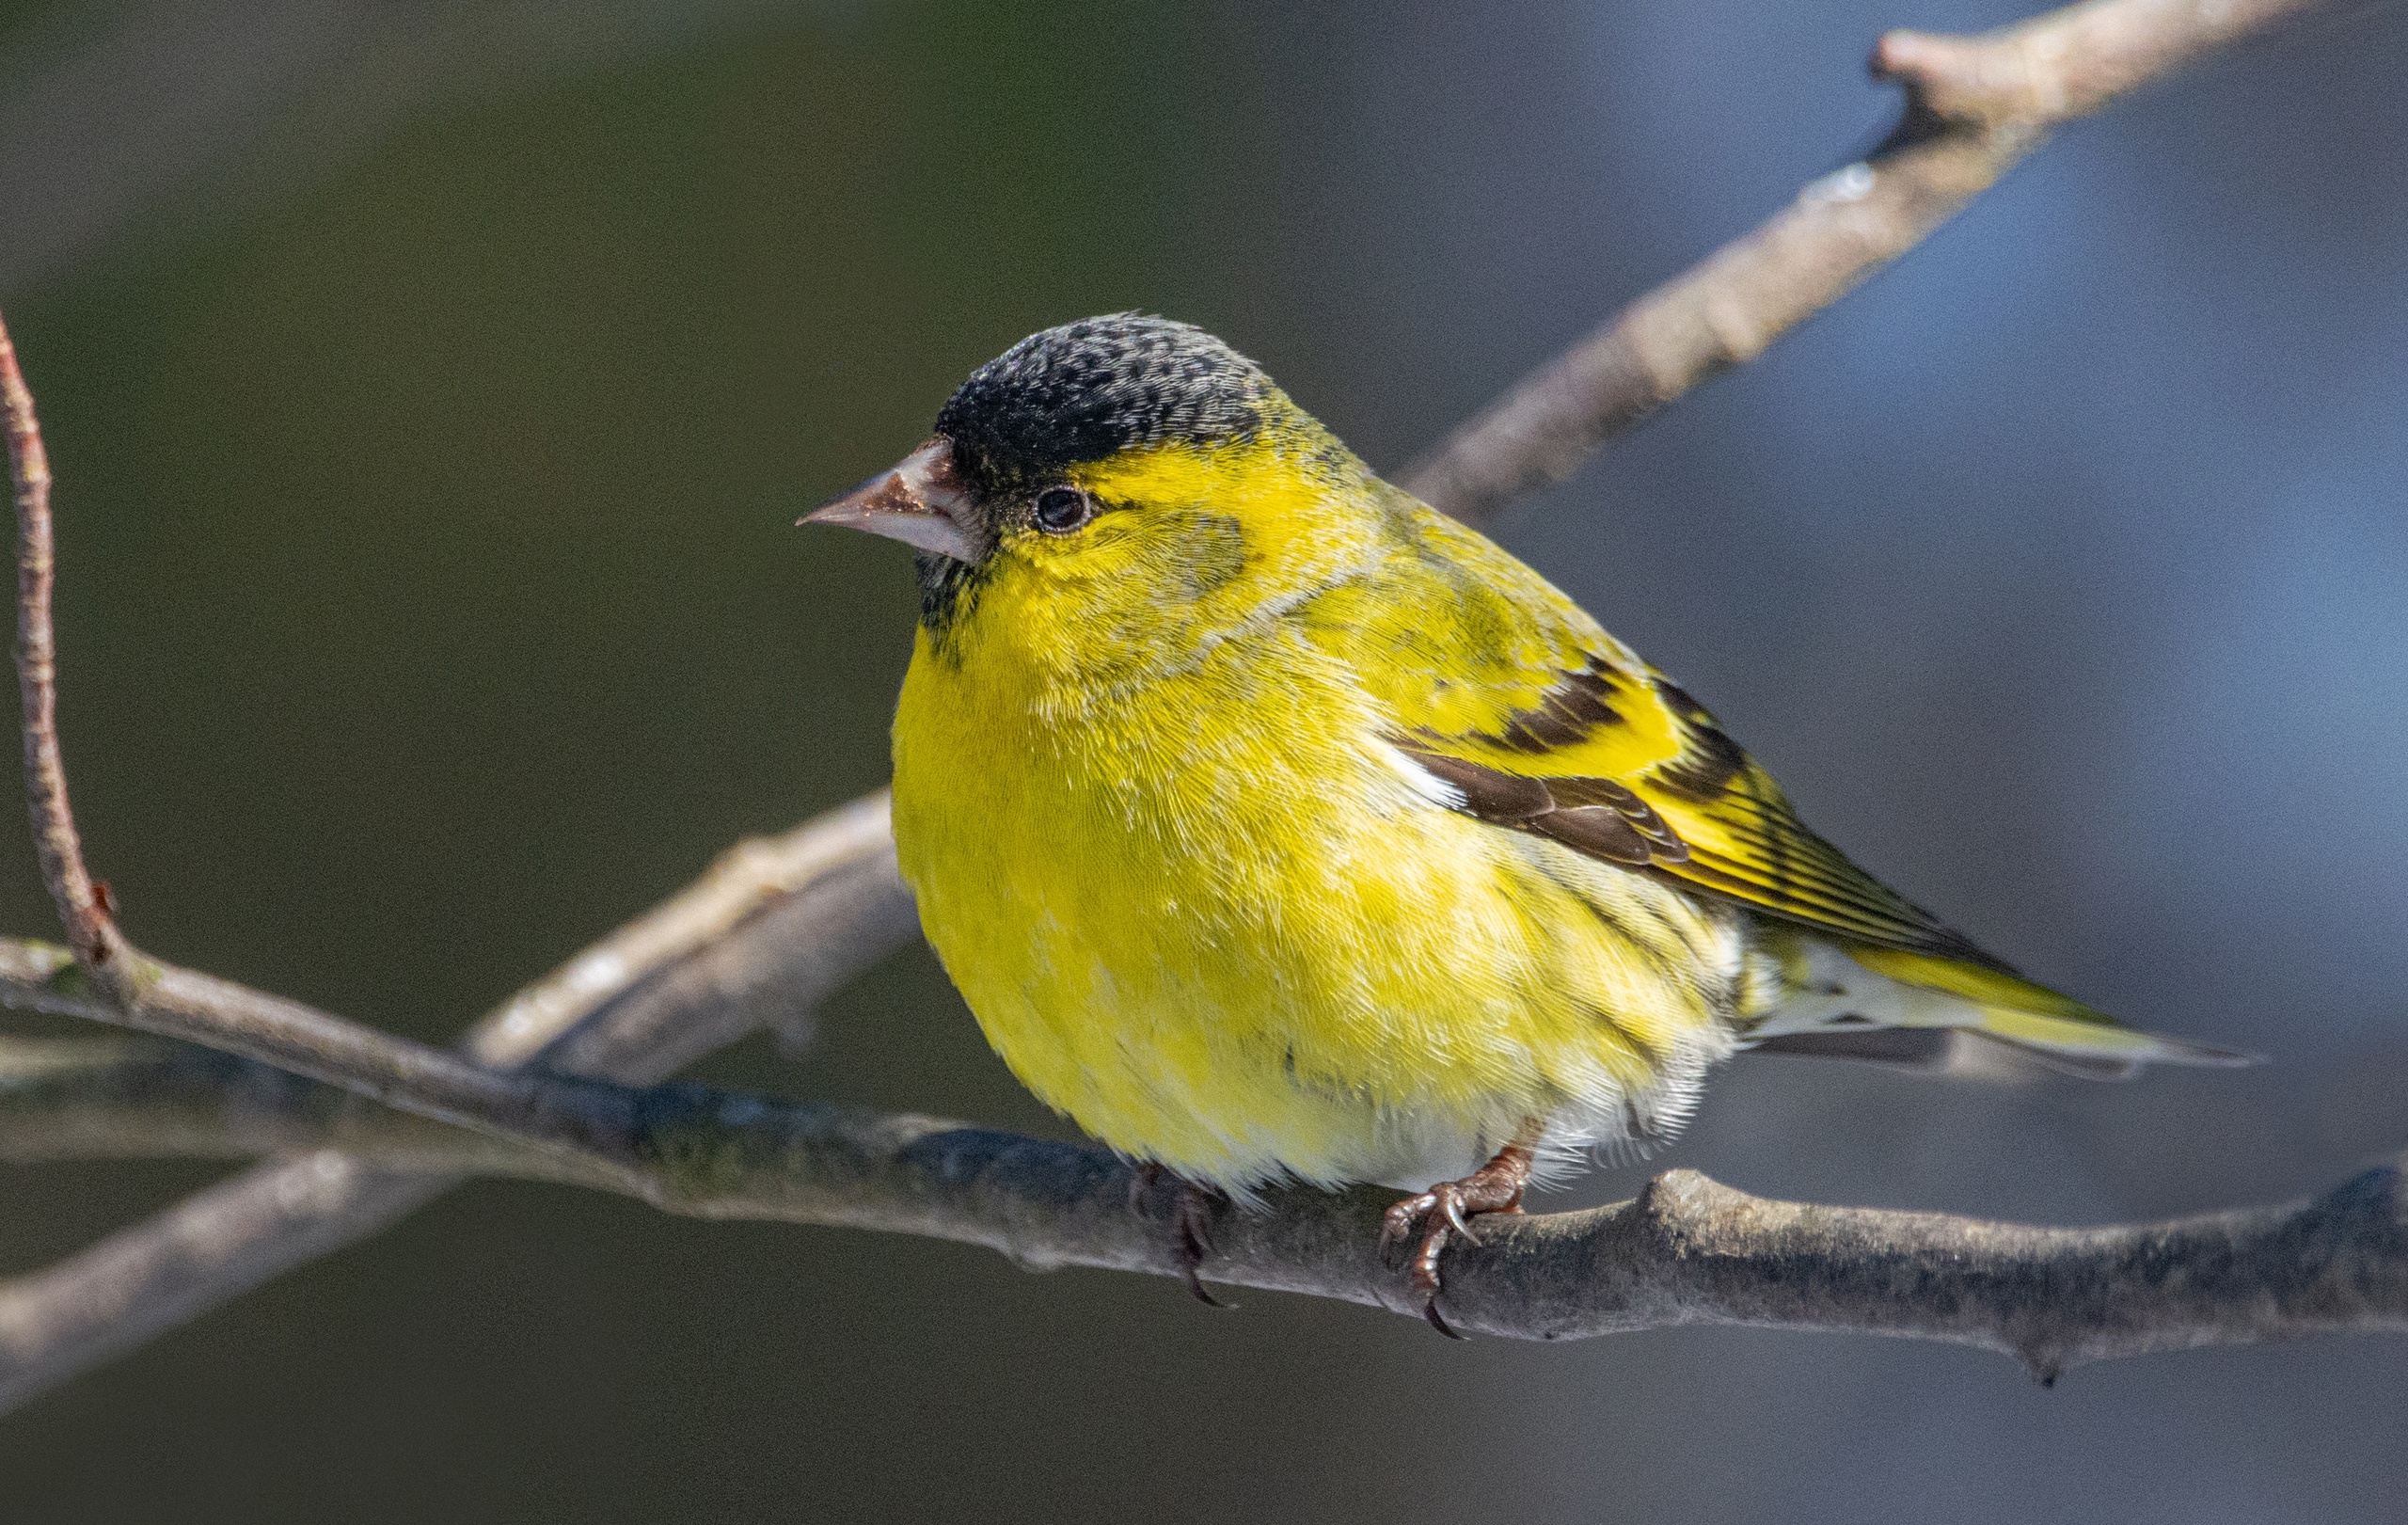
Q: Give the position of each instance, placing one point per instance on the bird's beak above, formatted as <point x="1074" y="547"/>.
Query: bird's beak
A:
<point x="922" y="501"/>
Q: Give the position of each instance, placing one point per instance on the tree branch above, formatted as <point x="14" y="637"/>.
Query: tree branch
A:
<point x="146" y="1098"/>
<point x="1976" y="107"/>
<point x="1687" y="1250"/>
<point x="773" y="926"/>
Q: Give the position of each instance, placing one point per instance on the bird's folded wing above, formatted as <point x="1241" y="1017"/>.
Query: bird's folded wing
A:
<point x="1612" y="758"/>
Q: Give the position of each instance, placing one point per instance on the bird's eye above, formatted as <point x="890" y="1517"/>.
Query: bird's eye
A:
<point x="1061" y="510"/>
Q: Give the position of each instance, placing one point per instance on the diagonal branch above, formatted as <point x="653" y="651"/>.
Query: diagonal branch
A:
<point x="1687" y="1250"/>
<point x="1976" y="107"/>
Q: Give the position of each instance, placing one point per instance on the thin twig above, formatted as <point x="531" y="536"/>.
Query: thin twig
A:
<point x="82" y="906"/>
<point x="1687" y="1250"/>
<point x="1976" y="107"/>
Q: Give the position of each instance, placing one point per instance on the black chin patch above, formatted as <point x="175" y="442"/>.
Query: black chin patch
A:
<point x="1089" y="389"/>
<point x="947" y="590"/>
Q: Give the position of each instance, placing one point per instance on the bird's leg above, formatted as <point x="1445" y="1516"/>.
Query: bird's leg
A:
<point x="1143" y="1177"/>
<point x="1446" y="1209"/>
<point x="1191" y="1222"/>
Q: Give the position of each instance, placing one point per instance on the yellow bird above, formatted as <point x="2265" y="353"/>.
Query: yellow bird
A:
<point x="1277" y="827"/>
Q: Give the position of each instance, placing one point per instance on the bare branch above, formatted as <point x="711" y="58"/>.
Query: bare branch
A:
<point x="1976" y="107"/>
<point x="1687" y="1251"/>
<point x="214" y="1245"/>
<point x="768" y="931"/>
<point x="831" y="881"/>
<point x="146" y="1098"/>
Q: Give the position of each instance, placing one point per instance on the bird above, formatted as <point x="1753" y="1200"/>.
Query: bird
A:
<point x="1276" y="828"/>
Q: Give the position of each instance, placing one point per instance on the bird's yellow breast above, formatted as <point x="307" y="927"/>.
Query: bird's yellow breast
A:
<point x="1210" y="913"/>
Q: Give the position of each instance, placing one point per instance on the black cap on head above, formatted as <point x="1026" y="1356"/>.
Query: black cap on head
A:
<point x="1087" y="389"/>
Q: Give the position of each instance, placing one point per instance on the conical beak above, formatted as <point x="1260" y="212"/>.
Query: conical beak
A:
<point x="923" y="501"/>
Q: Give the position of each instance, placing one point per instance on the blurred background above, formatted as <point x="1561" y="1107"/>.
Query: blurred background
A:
<point x="432" y="388"/>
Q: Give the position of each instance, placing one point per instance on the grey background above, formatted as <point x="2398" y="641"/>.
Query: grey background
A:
<point x="432" y="388"/>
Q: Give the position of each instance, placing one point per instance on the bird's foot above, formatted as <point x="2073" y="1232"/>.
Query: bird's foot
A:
<point x="1191" y="1222"/>
<point x="1446" y="1210"/>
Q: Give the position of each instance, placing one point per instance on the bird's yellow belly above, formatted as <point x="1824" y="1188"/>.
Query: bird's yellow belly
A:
<point x="1248" y="951"/>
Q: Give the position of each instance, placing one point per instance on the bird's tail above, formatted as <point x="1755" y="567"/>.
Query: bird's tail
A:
<point x="1862" y="1001"/>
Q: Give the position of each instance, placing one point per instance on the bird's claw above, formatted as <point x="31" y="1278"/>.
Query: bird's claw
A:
<point x="1445" y="1211"/>
<point x="1191" y="1222"/>
<point x="1399" y="1220"/>
<point x="1453" y="1206"/>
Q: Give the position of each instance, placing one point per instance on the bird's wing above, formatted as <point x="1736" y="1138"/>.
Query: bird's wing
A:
<point x="1544" y="723"/>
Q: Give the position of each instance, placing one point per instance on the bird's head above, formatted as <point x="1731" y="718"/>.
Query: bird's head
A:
<point x="1121" y="482"/>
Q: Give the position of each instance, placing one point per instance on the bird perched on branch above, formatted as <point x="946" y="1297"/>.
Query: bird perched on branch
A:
<point x="1274" y="826"/>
